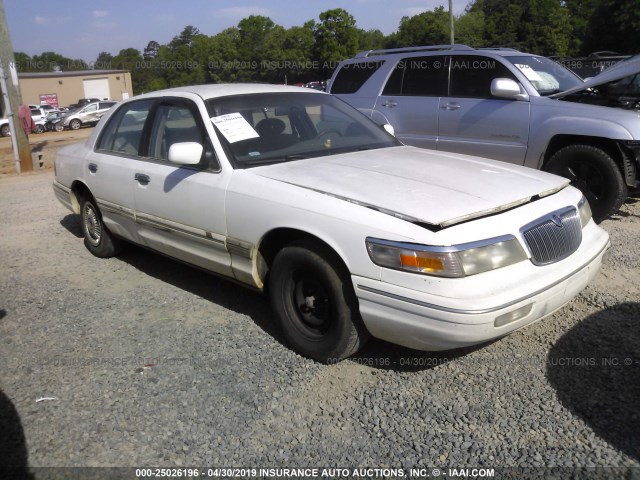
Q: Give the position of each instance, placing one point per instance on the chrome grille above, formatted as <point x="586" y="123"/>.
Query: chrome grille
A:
<point x="554" y="236"/>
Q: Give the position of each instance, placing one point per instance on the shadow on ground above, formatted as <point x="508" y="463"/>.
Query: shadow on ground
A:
<point x="595" y="369"/>
<point x="13" y="447"/>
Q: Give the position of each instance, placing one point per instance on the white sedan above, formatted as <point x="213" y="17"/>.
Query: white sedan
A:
<point x="350" y="233"/>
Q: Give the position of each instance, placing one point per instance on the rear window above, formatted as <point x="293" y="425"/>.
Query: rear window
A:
<point x="353" y="75"/>
<point x="419" y="76"/>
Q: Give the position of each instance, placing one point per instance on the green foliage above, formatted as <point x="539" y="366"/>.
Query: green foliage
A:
<point x="258" y="50"/>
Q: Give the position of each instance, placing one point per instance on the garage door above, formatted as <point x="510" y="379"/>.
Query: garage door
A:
<point x="96" y="88"/>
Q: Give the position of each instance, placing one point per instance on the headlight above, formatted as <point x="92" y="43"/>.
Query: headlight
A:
<point x="453" y="262"/>
<point x="584" y="210"/>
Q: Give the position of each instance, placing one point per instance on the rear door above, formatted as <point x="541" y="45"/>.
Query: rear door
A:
<point x="180" y="209"/>
<point x="411" y="97"/>
<point x="473" y="122"/>
<point x="109" y="169"/>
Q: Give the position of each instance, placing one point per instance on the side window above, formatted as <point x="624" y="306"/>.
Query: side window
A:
<point x="91" y="108"/>
<point x="173" y="123"/>
<point x="419" y="77"/>
<point x="123" y="133"/>
<point x="353" y="75"/>
<point x="471" y="76"/>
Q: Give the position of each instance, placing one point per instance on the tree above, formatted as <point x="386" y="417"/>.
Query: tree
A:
<point x="185" y="38"/>
<point x="151" y="50"/>
<point x="104" y="61"/>
<point x="427" y="28"/>
<point x="336" y="38"/>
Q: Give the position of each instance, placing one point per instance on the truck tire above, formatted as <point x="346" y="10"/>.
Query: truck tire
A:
<point x="595" y="173"/>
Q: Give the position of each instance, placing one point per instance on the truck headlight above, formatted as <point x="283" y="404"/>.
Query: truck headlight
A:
<point x="584" y="210"/>
<point x="453" y="262"/>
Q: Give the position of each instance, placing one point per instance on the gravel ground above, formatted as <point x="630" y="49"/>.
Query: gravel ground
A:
<point x="151" y="363"/>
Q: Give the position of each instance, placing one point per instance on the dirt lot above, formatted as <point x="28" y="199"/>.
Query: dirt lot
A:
<point x="45" y="144"/>
<point x="140" y="361"/>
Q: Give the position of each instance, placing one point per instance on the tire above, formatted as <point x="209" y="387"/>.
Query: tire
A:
<point x="75" y="124"/>
<point x="5" y="131"/>
<point x="97" y="238"/>
<point x="595" y="173"/>
<point x="38" y="129"/>
<point x="58" y="127"/>
<point x="313" y="300"/>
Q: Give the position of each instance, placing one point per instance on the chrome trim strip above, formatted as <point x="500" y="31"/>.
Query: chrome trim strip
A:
<point x="115" y="208"/>
<point x="487" y="310"/>
<point x="453" y="248"/>
<point x="178" y="228"/>
<point x="239" y="247"/>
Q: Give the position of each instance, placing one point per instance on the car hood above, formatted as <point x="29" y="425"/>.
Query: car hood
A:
<point x="425" y="186"/>
<point x="620" y="70"/>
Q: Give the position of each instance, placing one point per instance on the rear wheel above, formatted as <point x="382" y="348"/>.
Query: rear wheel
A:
<point x="98" y="240"/>
<point x="313" y="299"/>
<point x="75" y="124"/>
<point x="595" y="173"/>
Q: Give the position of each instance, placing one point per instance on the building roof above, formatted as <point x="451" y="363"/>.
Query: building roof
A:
<point x="76" y="73"/>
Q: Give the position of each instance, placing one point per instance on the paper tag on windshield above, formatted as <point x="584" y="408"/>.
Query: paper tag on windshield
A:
<point x="529" y="72"/>
<point x="234" y="127"/>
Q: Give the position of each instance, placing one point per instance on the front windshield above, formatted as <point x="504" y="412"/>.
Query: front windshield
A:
<point x="259" y="129"/>
<point x="547" y="76"/>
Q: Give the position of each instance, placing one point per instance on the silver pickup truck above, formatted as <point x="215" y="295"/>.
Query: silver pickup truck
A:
<point x="510" y="106"/>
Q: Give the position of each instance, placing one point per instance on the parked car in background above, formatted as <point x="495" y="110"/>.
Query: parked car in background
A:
<point x="38" y="114"/>
<point x="506" y="105"/>
<point x="5" y="129"/>
<point x="84" y="101"/>
<point x="293" y="192"/>
<point x="87" y="115"/>
<point x="52" y="122"/>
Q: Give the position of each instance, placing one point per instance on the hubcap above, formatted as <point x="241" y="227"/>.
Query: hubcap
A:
<point x="92" y="227"/>
<point x="586" y="179"/>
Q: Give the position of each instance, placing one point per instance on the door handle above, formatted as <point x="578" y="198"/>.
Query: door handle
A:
<point x="142" y="179"/>
<point x="389" y="103"/>
<point x="93" y="168"/>
<point x="451" y="106"/>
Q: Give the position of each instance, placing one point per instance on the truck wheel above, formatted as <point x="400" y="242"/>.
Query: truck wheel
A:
<point x="313" y="299"/>
<point x="75" y="124"/>
<point x="595" y="173"/>
<point x="5" y="131"/>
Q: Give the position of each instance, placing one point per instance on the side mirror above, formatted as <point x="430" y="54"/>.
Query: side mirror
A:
<point x="185" y="153"/>
<point x="389" y="128"/>
<point x="507" y="88"/>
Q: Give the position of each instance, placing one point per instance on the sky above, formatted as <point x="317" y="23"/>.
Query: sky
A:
<point x="81" y="29"/>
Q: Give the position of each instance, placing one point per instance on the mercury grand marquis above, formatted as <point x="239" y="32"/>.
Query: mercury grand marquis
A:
<point x="350" y="233"/>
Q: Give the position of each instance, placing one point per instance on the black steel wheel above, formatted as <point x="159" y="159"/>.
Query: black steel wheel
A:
<point x="595" y="173"/>
<point x="313" y="300"/>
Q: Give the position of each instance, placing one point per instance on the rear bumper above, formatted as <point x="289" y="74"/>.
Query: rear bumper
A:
<point x="409" y="318"/>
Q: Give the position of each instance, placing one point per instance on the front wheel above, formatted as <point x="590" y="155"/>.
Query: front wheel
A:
<point x="5" y="131"/>
<point x="38" y="129"/>
<point x="58" y="127"/>
<point x="75" y="124"/>
<point x="595" y="173"/>
<point x="313" y="299"/>
<point x="98" y="240"/>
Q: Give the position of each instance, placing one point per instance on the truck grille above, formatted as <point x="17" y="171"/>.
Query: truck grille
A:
<point x="554" y="236"/>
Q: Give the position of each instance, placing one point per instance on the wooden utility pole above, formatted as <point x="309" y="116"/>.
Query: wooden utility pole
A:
<point x="450" y="20"/>
<point x="12" y="98"/>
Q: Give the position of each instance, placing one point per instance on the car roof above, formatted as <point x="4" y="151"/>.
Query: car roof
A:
<point x="225" y="89"/>
<point x="435" y="50"/>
